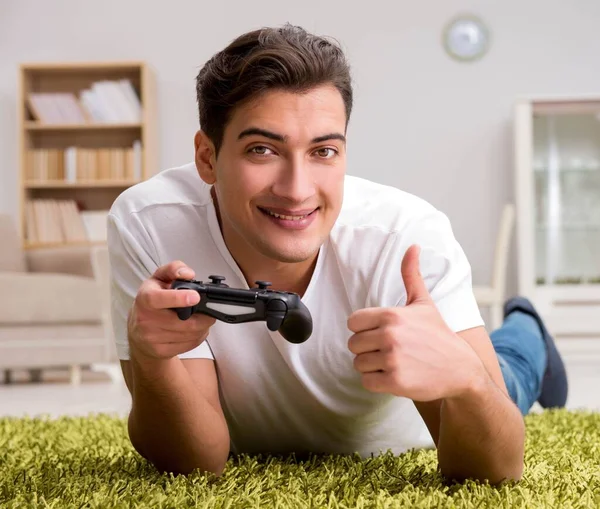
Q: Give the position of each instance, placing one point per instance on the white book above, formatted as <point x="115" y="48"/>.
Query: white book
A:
<point x="126" y="113"/>
<point x="73" y="108"/>
<point x="61" y="101"/>
<point x="47" y="107"/>
<point x="94" y="109"/>
<point x="41" y="108"/>
<point x="103" y="97"/>
<point x="132" y="99"/>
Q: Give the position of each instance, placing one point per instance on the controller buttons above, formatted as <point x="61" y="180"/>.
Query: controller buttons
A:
<point x="263" y="285"/>
<point x="216" y="280"/>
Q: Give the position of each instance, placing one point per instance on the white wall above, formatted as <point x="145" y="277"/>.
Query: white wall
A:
<point x="422" y="122"/>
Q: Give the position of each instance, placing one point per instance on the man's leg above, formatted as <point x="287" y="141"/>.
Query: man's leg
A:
<point x="530" y="363"/>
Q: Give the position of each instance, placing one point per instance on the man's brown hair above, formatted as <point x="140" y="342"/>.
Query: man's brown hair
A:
<point x="286" y="58"/>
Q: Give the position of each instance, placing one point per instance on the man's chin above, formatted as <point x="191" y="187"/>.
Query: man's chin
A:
<point x="289" y="254"/>
<point x="289" y="257"/>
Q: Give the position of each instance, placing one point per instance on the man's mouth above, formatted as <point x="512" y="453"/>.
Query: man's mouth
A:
<point x="291" y="216"/>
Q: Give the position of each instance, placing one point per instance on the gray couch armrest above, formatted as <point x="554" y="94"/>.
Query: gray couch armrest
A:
<point x="75" y="260"/>
<point x="49" y="298"/>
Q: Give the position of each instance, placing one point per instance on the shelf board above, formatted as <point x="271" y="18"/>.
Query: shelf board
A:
<point x="42" y="245"/>
<point x="568" y="107"/>
<point x="581" y="292"/>
<point x="568" y="171"/>
<point x="61" y="184"/>
<point x="571" y="227"/>
<point x="83" y="66"/>
<point x="37" y="126"/>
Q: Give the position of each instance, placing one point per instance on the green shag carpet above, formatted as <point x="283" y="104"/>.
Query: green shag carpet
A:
<point x="89" y="462"/>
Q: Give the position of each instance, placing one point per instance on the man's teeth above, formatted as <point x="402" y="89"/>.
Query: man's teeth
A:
<point x="289" y="218"/>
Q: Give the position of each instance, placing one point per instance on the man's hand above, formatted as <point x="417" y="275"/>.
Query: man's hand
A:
<point x="410" y="351"/>
<point x="155" y="331"/>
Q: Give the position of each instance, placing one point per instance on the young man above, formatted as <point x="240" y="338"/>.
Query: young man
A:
<point x="399" y="356"/>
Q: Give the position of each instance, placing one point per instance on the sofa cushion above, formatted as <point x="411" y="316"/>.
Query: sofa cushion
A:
<point x="48" y="298"/>
<point x="52" y="345"/>
<point x="74" y="260"/>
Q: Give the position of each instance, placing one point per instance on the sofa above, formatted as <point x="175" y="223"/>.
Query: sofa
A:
<point x="54" y="306"/>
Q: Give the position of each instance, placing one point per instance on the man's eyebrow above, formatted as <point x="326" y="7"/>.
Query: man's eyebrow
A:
<point x="283" y="139"/>
<point x="262" y="132"/>
<point x="330" y="136"/>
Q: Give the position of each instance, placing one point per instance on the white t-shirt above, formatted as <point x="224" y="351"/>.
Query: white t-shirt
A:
<point x="280" y="397"/>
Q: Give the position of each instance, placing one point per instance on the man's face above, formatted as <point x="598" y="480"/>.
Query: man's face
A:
<point x="279" y="175"/>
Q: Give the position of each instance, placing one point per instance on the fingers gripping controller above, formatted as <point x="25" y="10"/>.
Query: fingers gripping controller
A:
<point x="282" y="311"/>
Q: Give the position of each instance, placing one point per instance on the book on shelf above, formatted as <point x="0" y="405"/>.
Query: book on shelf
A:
<point x="76" y="164"/>
<point x="51" y="221"/>
<point x="104" y="102"/>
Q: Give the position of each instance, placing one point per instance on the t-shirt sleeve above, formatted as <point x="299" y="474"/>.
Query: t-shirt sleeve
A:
<point x="133" y="259"/>
<point x="443" y="265"/>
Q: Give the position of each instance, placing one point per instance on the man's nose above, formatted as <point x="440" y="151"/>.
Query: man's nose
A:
<point x="295" y="183"/>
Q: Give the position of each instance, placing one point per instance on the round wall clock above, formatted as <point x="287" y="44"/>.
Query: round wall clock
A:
<point x="466" y="38"/>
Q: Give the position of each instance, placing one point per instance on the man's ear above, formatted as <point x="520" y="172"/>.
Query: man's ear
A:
<point x="205" y="157"/>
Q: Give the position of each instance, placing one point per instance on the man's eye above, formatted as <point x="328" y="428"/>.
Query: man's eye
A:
<point x="260" y="150"/>
<point x="326" y="152"/>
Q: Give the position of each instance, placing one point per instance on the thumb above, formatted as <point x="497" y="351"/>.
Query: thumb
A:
<point x="171" y="271"/>
<point x="416" y="291"/>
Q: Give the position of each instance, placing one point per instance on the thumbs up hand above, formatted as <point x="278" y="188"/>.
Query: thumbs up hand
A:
<point x="410" y="351"/>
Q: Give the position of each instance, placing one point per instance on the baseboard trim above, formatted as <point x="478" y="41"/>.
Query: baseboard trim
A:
<point x="113" y="370"/>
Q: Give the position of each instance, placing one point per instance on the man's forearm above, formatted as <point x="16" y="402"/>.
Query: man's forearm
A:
<point x="171" y="423"/>
<point x="482" y="435"/>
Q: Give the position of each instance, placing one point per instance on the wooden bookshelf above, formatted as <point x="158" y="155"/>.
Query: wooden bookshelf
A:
<point x="61" y="184"/>
<point x="87" y="132"/>
<point x="37" y="126"/>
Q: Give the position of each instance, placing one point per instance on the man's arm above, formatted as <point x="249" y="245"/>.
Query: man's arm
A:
<point x="176" y="421"/>
<point x="480" y="435"/>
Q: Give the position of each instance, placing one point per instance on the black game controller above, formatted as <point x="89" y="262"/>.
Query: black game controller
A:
<point x="283" y="311"/>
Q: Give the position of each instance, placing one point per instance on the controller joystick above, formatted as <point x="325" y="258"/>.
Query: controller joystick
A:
<point x="216" y="280"/>
<point x="282" y="311"/>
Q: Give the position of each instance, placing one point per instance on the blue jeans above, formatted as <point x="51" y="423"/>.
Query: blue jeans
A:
<point x="521" y="352"/>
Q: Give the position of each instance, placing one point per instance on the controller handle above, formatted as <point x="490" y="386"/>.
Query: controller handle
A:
<point x="297" y="325"/>
<point x="185" y="312"/>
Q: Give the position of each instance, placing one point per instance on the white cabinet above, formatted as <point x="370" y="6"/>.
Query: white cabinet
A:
<point x="557" y="179"/>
